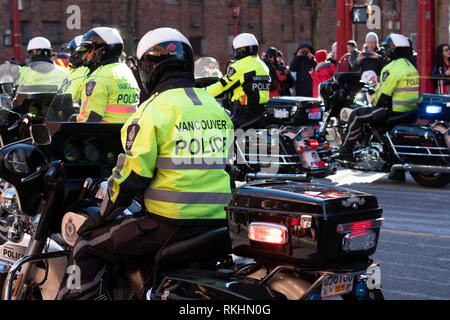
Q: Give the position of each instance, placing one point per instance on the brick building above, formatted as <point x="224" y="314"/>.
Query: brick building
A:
<point x="207" y="23"/>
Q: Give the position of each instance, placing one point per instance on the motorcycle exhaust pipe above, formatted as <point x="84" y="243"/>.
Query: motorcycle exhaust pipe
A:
<point x="303" y="177"/>
<point x="420" y="168"/>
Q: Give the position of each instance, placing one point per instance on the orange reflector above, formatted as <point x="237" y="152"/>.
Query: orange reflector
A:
<point x="19" y="280"/>
<point x="301" y="150"/>
<point x="268" y="233"/>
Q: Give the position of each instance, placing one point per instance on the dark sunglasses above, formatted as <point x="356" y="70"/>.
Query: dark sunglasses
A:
<point x="85" y="47"/>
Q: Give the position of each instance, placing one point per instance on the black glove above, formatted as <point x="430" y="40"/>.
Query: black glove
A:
<point x="106" y="215"/>
<point x="92" y="223"/>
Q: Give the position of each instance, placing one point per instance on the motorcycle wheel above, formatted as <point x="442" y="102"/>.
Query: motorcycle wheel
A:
<point x="432" y="180"/>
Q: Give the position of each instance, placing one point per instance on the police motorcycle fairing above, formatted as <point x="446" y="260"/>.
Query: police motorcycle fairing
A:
<point x="416" y="142"/>
<point x="320" y="251"/>
<point x="27" y="98"/>
<point x="340" y="96"/>
<point x="286" y="142"/>
<point x="20" y="105"/>
<point x="49" y="170"/>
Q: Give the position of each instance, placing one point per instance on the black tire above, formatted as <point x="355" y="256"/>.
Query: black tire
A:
<point x="432" y="180"/>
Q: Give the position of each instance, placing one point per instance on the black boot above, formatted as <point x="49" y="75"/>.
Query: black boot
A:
<point x="397" y="175"/>
<point x="345" y="154"/>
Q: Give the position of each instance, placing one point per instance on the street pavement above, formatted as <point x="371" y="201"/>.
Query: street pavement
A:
<point x="414" y="245"/>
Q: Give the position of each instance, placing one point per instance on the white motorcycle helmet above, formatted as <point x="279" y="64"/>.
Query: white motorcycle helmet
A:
<point x="245" y="44"/>
<point x="76" y="58"/>
<point x="396" y="46"/>
<point x="163" y="50"/>
<point x="106" y="43"/>
<point x="39" y="47"/>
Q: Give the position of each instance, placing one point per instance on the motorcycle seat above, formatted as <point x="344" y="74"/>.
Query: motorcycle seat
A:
<point x="403" y="119"/>
<point x="202" y="248"/>
<point x="207" y="246"/>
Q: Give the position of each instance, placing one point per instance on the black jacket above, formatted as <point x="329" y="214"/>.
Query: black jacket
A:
<point x="303" y="83"/>
<point x="439" y="72"/>
<point x="371" y="64"/>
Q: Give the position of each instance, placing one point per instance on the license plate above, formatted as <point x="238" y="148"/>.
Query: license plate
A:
<point x="281" y="114"/>
<point x="315" y="116"/>
<point x="307" y="132"/>
<point x="337" y="284"/>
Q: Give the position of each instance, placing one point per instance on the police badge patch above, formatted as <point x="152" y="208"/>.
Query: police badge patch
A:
<point x="230" y="73"/>
<point x="385" y="75"/>
<point x="132" y="132"/>
<point x="90" y="87"/>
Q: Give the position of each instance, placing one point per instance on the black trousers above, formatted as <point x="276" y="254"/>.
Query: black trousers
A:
<point x="355" y="123"/>
<point x="245" y="117"/>
<point x="126" y="238"/>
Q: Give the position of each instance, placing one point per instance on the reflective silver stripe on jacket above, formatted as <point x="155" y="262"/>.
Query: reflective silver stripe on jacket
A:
<point x="193" y="96"/>
<point x="412" y="89"/>
<point x="404" y="103"/>
<point x="187" y="197"/>
<point x="190" y="163"/>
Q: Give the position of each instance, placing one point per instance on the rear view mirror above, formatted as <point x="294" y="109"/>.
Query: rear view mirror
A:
<point x="5" y="102"/>
<point x="40" y="135"/>
<point x="7" y="88"/>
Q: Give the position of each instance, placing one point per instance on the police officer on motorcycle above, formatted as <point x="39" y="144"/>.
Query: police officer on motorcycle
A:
<point x="79" y="71"/>
<point x="394" y="100"/>
<point x="110" y="92"/>
<point x="38" y="72"/>
<point x="176" y="146"/>
<point x="246" y="83"/>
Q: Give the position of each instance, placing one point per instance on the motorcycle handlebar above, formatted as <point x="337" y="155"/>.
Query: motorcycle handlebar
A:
<point x="45" y="169"/>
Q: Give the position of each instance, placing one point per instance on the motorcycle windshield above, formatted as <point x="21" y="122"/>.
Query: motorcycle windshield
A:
<point x="40" y="77"/>
<point x="344" y="65"/>
<point x="206" y="67"/>
<point x="87" y="98"/>
<point x="345" y="76"/>
<point x="9" y="75"/>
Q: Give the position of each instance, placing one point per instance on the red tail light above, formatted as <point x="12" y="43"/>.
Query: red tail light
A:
<point x="360" y="226"/>
<point x="268" y="233"/>
<point x="359" y="236"/>
<point x="312" y="143"/>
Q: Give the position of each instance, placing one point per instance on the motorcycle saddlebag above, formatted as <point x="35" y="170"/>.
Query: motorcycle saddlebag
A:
<point x="420" y="145"/>
<point x="434" y="107"/>
<point x="300" y="111"/>
<point x="303" y="224"/>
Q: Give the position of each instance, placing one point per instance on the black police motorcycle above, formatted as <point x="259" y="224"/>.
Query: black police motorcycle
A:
<point x="23" y="104"/>
<point x="421" y="147"/>
<point x="287" y="142"/>
<point x="290" y="240"/>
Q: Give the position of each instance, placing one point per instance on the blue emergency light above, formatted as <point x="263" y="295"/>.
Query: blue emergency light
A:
<point x="433" y="109"/>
